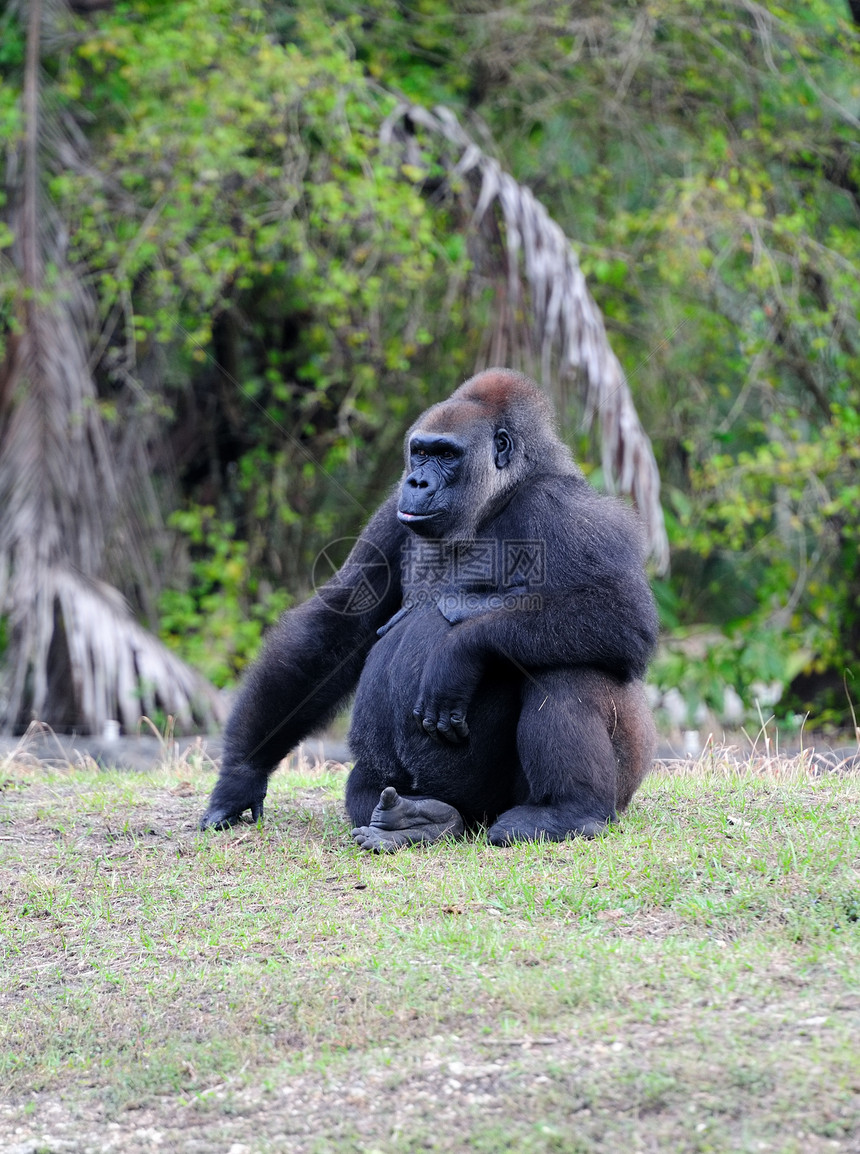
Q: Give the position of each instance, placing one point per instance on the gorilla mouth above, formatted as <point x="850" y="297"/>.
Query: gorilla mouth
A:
<point x="414" y="518"/>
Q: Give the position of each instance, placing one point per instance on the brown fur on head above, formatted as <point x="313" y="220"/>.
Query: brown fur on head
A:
<point x="501" y="390"/>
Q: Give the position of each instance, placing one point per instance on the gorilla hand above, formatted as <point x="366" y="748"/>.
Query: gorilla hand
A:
<point x="233" y="794"/>
<point x="447" y="687"/>
<point x="399" y="821"/>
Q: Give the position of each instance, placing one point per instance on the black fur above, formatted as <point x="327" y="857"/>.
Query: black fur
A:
<point x="496" y="621"/>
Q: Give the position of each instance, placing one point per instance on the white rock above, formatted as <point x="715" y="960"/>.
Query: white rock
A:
<point x="734" y="709"/>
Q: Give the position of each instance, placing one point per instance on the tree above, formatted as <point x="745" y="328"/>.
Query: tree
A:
<point x="557" y="331"/>
<point x="74" y="652"/>
<point x="243" y="168"/>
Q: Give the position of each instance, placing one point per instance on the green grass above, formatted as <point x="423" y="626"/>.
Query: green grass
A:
<point x="690" y="981"/>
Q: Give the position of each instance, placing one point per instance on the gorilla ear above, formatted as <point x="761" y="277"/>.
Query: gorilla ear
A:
<point x="503" y="448"/>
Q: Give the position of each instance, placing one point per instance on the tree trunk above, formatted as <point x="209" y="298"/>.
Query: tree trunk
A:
<point x="74" y="654"/>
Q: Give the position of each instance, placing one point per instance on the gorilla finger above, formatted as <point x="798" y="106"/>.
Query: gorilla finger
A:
<point x="418" y="714"/>
<point x="447" y="731"/>
<point x="218" y="819"/>
<point x="461" y="727"/>
<point x="429" y="726"/>
<point x="257" y="811"/>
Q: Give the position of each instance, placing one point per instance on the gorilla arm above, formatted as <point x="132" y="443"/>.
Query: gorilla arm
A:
<point x="611" y="626"/>
<point x="596" y="609"/>
<point x="311" y="662"/>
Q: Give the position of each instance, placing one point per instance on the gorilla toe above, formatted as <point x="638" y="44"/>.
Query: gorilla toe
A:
<point x="376" y="840"/>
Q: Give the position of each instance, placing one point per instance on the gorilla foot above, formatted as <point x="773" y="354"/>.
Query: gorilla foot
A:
<point x="398" y="821"/>
<point x="546" y="823"/>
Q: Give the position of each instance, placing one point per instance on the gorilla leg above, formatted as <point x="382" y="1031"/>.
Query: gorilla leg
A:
<point x="634" y="740"/>
<point x="564" y="740"/>
<point x="362" y="793"/>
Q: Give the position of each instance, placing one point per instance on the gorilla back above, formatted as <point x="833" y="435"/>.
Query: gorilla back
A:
<point x="496" y="621"/>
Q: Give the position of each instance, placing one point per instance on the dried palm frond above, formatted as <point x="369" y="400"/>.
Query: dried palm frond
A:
<point x="75" y="654"/>
<point x="568" y="330"/>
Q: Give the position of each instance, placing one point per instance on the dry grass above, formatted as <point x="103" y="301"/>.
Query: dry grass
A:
<point x="687" y="982"/>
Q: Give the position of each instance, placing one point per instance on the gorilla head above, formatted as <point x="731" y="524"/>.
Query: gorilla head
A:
<point x="465" y="456"/>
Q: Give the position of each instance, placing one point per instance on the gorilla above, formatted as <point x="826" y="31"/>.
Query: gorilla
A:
<point x="495" y="623"/>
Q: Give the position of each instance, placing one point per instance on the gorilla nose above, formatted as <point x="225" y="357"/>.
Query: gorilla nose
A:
<point x="417" y="483"/>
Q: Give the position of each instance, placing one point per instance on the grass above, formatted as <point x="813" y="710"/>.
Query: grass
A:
<point x="688" y="982"/>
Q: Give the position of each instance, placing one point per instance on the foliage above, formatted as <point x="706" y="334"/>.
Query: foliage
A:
<point x="790" y="509"/>
<point x="238" y="160"/>
<point x="217" y="619"/>
<point x="240" y="217"/>
<point x="277" y="297"/>
<point x="706" y="157"/>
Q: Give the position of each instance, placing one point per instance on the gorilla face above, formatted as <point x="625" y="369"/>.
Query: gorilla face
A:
<point x="429" y="497"/>
<point x="448" y="483"/>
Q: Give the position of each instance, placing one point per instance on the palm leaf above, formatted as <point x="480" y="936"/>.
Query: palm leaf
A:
<point x="568" y="333"/>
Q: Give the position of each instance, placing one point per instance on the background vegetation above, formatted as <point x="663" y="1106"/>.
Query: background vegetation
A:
<point x="273" y="296"/>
